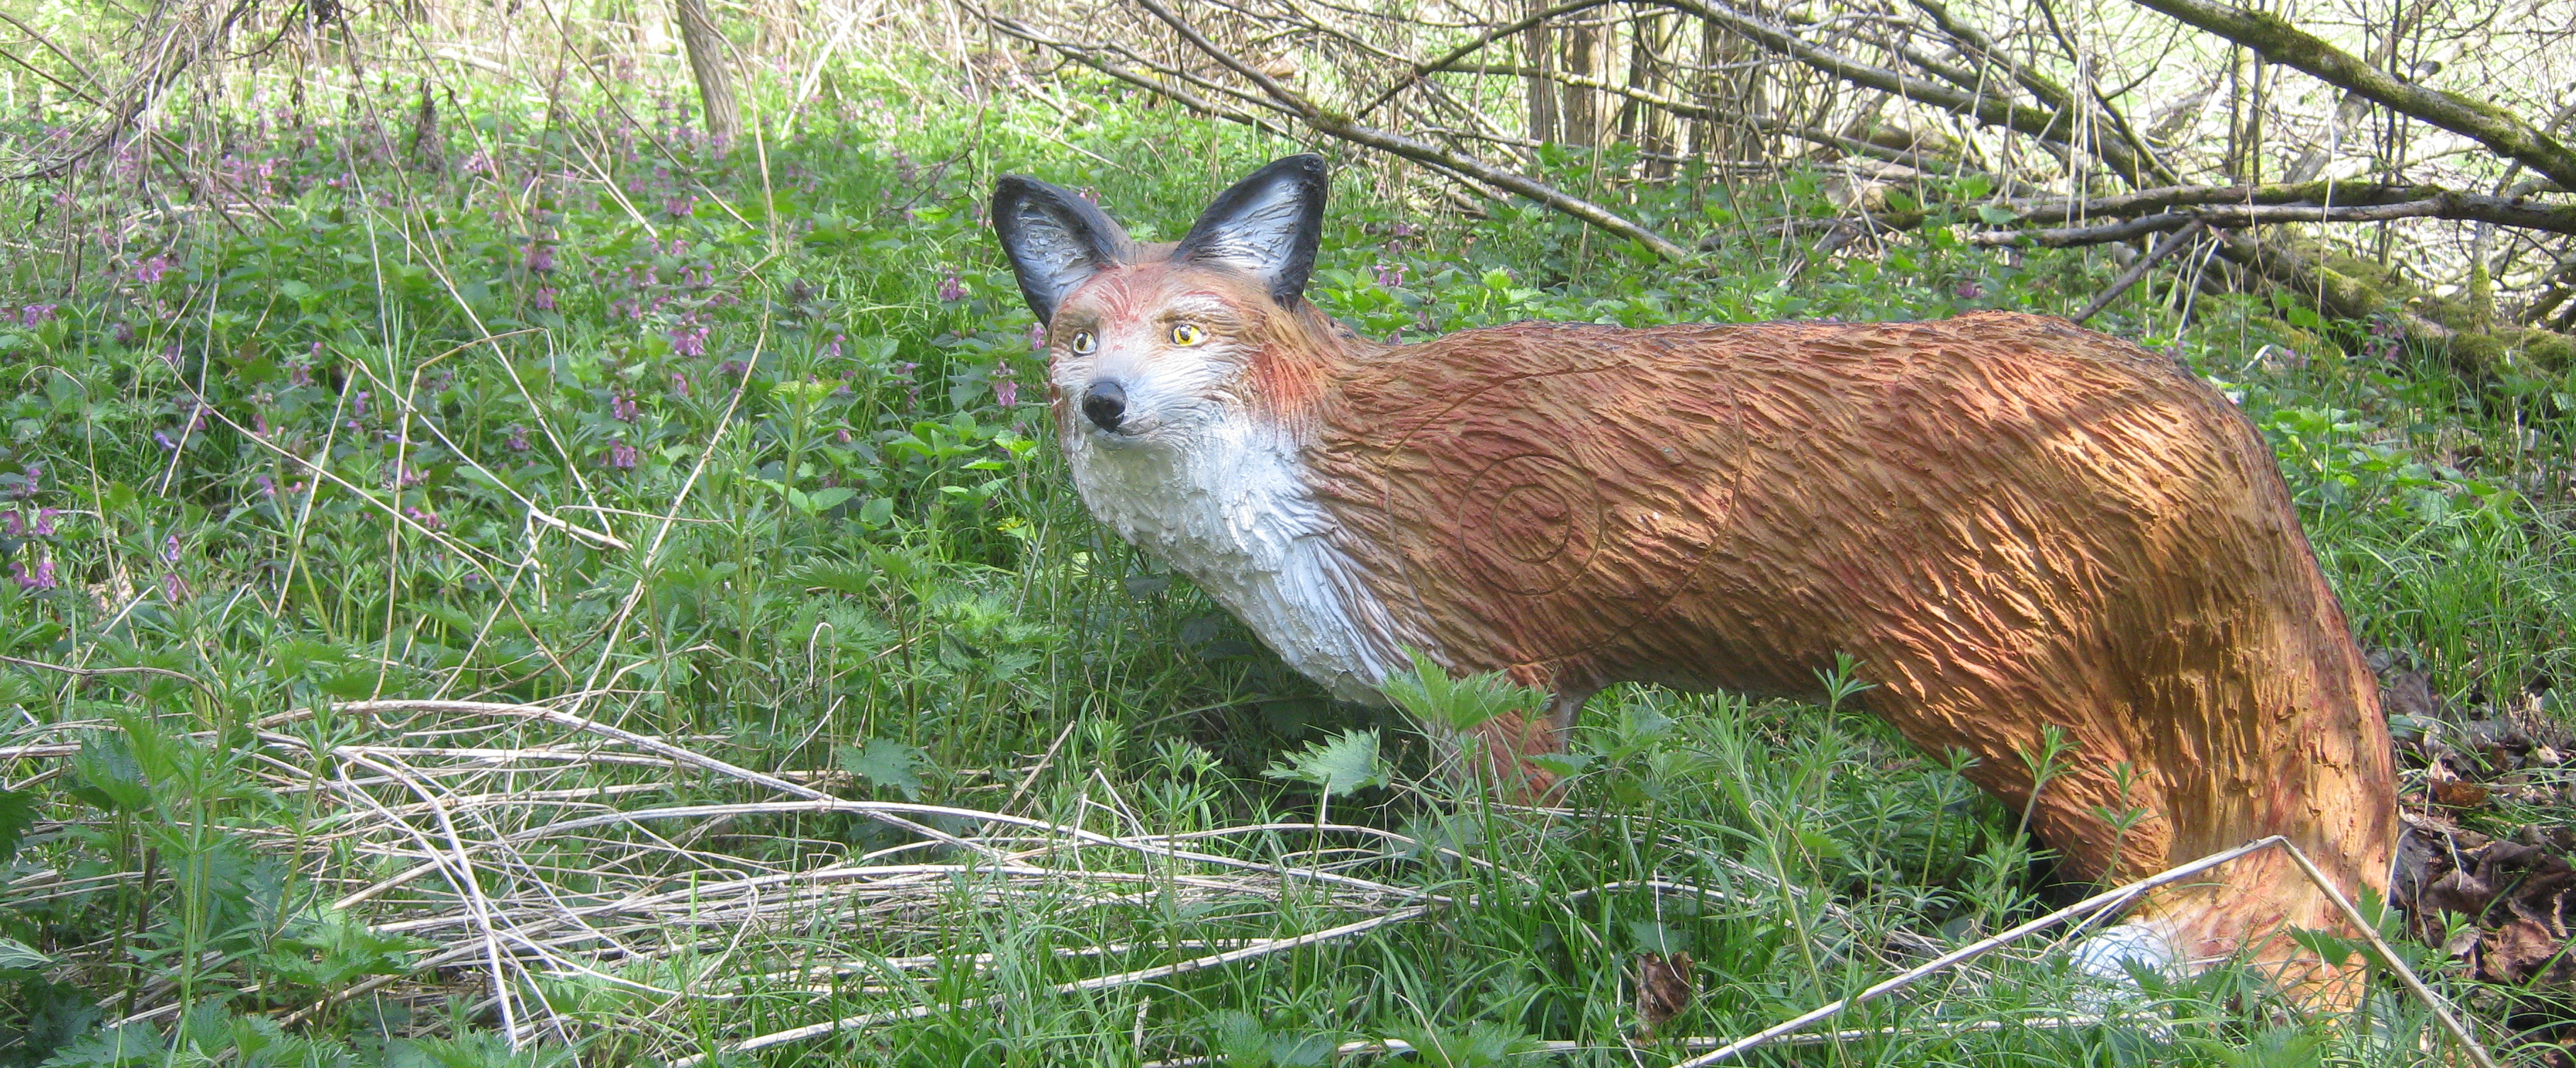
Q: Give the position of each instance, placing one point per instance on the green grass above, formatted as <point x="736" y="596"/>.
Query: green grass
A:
<point x="790" y="525"/>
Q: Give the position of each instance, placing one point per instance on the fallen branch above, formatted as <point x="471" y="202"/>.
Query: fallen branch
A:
<point x="2506" y="210"/>
<point x="2461" y="206"/>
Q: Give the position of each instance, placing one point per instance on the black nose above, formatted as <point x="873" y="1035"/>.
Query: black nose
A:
<point x="1105" y="404"/>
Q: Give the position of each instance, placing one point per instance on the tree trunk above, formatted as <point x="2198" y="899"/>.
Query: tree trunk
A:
<point x="1538" y="46"/>
<point x="1581" y="115"/>
<point x="706" y="47"/>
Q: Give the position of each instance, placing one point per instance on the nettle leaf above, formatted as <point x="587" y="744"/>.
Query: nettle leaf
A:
<point x="1339" y="766"/>
<point x="1458" y="704"/>
<point x="19" y="956"/>
<point x="110" y="777"/>
<point x="17" y="813"/>
<point x="1561" y="765"/>
<point x="887" y="763"/>
<point x="133" y="1044"/>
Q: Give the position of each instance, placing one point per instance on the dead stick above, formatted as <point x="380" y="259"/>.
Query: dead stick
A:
<point x="2138" y="270"/>
<point x="2395" y="963"/>
<point x="87" y="673"/>
<point x="1043" y="763"/>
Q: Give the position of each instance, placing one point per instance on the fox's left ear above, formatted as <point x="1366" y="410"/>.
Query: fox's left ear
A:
<point x="1266" y="226"/>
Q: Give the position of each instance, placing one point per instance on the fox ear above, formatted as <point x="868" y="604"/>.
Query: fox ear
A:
<point x="1054" y="238"/>
<point x="1266" y="226"/>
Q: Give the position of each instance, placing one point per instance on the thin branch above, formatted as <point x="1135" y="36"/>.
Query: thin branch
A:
<point x="2172" y="243"/>
<point x="1471" y="48"/>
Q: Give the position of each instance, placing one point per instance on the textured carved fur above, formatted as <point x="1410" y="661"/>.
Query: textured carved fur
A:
<point x="2013" y="522"/>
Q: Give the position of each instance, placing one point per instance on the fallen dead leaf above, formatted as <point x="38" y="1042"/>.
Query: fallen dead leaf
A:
<point x="1663" y="989"/>
<point x="2461" y="793"/>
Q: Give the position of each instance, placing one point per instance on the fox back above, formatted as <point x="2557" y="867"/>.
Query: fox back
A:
<point x="2016" y="524"/>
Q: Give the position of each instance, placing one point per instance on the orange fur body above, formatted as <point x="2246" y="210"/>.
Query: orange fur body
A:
<point x="2014" y="523"/>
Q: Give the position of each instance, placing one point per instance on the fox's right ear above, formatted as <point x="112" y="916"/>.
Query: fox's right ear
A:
<point x="1055" y="239"/>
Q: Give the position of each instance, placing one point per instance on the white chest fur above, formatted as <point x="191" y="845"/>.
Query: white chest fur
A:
<point x="1230" y="508"/>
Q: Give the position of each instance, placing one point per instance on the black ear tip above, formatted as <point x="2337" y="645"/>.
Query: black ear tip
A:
<point x="1012" y="188"/>
<point x="1306" y="165"/>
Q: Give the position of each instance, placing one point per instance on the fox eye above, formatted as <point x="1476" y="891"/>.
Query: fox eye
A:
<point x="1188" y="334"/>
<point x="1082" y="343"/>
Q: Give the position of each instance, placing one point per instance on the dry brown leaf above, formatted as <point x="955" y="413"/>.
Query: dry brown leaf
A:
<point x="2515" y="951"/>
<point x="1663" y="989"/>
<point x="2460" y="793"/>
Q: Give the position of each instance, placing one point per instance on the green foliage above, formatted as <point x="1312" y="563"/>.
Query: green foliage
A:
<point x="749" y="450"/>
<point x="885" y="763"/>
<point x="1461" y="705"/>
<point x="1341" y="765"/>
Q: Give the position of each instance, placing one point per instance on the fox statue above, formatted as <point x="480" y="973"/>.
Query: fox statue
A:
<point x="2014" y="523"/>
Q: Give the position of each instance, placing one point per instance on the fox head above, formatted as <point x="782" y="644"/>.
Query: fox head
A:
<point x="1149" y="345"/>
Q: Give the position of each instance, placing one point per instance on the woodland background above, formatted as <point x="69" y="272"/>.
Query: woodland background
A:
<point x="532" y="534"/>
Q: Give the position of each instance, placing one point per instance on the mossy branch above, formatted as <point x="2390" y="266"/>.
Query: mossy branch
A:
<point x="2280" y="42"/>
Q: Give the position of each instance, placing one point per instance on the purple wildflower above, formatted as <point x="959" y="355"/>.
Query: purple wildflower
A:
<point x="45" y="521"/>
<point x="36" y="313"/>
<point x="173" y="588"/>
<point x="736" y="368"/>
<point x="170" y="355"/>
<point x="164" y="441"/>
<point x="545" y="300"/>
<point x="1404" y="230"/>
<point x="622" y="455"/>
<point x="266" y="487"/>
<point x="43" y="579"/>
<point x="689" y="338"/>
<point x="541" y="257"/>
<point x="832" y="351"/>
<point x="1390" y="276"/>
<point x="622" y="407"/>
<point x="259" y="424"/>
<point x="951" y="289"/>
<point x="903" y="369"/>
<point x="170" y="549"/>
<point x="427" y="519"/>
<point x="518" y="439"/>
<point x="1006" y="389"/>
<point x="150" y="271"/>
<point x="13" y="524"/>
<point x="679" y="385"/>
<point x="1037" y="337"/>
<point x="123" y="333"/>
<point x="680" y="207"/>
<point x="358" y="404"/>
<point x="1970" y="290"/>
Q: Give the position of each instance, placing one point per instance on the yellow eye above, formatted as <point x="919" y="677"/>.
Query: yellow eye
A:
<point x="1188" y="334"/>
<point x="1083" y="343"/>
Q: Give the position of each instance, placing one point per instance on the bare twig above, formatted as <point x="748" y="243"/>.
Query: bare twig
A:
<point x="2172" y="243"/>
